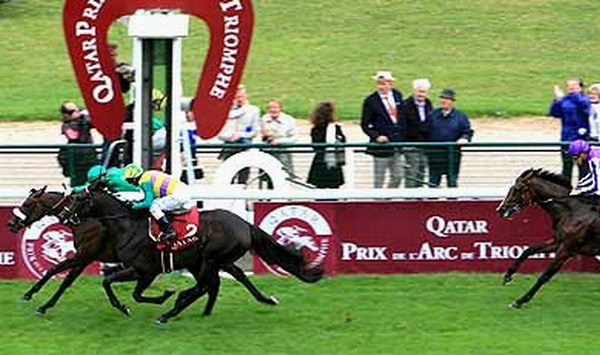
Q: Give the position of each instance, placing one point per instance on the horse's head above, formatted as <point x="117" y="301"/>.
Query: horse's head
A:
<point x="81" y="204"/>
<point x="38" y="204"/>
<point x="533" y="186"/>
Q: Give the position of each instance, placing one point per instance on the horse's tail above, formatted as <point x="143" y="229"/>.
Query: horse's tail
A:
<point x="288" y="258"/>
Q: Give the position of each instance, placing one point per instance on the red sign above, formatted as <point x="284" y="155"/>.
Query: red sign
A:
<point x="86" y="25"/>
<point x="413" y="236"/>
<point x="35" y="250"/>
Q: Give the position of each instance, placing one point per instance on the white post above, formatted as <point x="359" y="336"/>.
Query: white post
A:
<point x="137" y="113"/>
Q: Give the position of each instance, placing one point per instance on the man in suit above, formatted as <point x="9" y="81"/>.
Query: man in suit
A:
<point x="418" y="111"/>
<point x="384" y="122"/>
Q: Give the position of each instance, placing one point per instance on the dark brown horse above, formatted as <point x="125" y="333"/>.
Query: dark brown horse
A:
<point x="93" y="243"/>
<point x="229" y="237"/>
<point x="574" y="221"/>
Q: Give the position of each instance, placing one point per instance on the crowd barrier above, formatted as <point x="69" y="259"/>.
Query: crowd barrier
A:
<point x="408" y="236"/>
<point x="371" y="237"/>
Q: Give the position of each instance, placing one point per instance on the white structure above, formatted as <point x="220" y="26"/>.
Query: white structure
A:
<point x="145" y="27"/>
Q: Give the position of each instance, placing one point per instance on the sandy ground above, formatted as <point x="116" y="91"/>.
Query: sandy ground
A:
<point x="523" y="129"/>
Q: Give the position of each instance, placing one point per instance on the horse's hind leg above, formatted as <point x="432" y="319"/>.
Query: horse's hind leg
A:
<point x="239" y="275"/>
<point x="548" y="246"/>
<point x="214" y="284"/>
<point x="142" y="285"/>
<point x="557" y="263"/>
<point x="67" y="282"/>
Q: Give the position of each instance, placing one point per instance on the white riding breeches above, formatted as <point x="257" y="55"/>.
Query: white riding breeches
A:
<point x="178" y="200"/>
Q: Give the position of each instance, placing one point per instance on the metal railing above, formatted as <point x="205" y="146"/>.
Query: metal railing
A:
<point x="491" y="166"/>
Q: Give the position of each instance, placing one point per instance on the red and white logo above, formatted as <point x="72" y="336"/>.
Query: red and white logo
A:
<point x="301" y="227"/>
<point x="45" y="244"/>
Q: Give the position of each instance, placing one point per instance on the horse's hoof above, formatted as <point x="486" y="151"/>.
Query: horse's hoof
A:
<point x="273" y="300"/>
<point x="507" y="279"/>
<point x="161" y="320"/>
<point x="126" y="311"/>
<point x="26" y="297"/>
<point x="40" y="312"/>
<point x="514" y="305"/>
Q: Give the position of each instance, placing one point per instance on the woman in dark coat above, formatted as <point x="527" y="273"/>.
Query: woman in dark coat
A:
<point x="326" y="168"/>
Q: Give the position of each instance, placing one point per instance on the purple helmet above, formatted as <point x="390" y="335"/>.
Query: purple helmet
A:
<point x="579" y="146"/>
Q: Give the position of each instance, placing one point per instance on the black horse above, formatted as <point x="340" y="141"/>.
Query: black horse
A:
<point x="229" y="236"/>
<point x="93" y="243"/>
<point x="574" y="221"/>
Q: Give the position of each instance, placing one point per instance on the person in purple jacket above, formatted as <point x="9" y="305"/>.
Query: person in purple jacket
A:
<point x="589" y="156"/>
<point x="573" y="109"/>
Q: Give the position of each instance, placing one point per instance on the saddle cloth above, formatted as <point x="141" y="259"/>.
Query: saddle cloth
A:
<point x="186" y="226"/>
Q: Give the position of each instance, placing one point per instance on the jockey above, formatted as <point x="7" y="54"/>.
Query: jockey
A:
<point x="93" y="174"/>
<point x="583" y="153"/>
<point x="162" y="192"/>
<point x="114" y="178"/>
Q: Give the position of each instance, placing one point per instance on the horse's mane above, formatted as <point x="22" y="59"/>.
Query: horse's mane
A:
<point x="558" y="179"/>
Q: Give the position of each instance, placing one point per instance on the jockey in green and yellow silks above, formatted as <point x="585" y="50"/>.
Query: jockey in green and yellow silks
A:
<point x="162" y="192"/>
<point x="114" y="178"/>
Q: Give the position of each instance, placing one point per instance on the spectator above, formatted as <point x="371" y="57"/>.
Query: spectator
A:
<point x="382" y="121"/>
<point x="573" y="109"/>
<point x="326" y="167"/>
<point x="190" y="133"/>
<point x="241" y="127"/>
<point x="447" y="125"/>
<point x="594" y="119"/>
<point x="418" y="111"/>
<point x="76" y="127"/>
<point x="277" y="128"/>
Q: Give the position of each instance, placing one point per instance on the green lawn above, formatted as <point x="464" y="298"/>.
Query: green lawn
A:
<point x="416" y="314"/>
<point x="502" y="56"/>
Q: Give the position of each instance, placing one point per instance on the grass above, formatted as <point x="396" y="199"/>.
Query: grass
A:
<point x="416" y="314"/>
<point x="502" y="56"/>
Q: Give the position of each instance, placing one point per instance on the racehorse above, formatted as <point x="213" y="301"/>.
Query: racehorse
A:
<point x="574" y="221"/>
<point x="93" y="243"/>
<point x="230" y="237"/>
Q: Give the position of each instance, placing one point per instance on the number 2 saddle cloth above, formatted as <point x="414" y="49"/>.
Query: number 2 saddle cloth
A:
<point x="186" y="226"/>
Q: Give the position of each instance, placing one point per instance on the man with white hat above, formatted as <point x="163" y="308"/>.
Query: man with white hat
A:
<point x="384" y="122"/>
<point x="418" y="111"/>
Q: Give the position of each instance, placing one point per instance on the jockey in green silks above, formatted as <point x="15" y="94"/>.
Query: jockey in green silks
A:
<point x="162" y="192"/>
<point x="114" y="178"/>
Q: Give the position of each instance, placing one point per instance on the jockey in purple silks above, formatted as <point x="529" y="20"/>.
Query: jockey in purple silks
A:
<point x="583" y="153"/>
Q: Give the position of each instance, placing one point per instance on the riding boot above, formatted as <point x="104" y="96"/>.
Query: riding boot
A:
<point x="166" y="228"/>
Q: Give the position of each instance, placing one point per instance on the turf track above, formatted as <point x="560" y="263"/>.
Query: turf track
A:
<point x="440" y="313"/>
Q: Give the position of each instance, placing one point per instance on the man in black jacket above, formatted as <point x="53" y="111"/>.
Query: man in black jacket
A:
<point x="384" y="122"/>
<point x="418" y="111"/>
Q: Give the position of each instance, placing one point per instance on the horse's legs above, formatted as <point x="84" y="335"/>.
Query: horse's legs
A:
<point x="239" y="275"/>
<point x="190" y="295"/>
<point x="71" y="276"/>
<point x="555" y="265"/>
<point x="128" y="274"/>
<point x="545" y="247"/>
<point x="214" y="284"/>
<point x="143" y="282"/>
<point x="60" y="267"/>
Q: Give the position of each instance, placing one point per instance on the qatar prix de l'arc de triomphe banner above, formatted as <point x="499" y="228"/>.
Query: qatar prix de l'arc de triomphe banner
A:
<point x="409" y="236"/>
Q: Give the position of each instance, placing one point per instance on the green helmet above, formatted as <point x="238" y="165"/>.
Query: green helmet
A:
<point x="95" y="172"/>
<point x="132" y="171"/>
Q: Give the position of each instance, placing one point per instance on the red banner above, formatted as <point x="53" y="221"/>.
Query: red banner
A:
<point x="35" y="250"/>
<point x="410" y="236"/>
<point x="86" y="25"/>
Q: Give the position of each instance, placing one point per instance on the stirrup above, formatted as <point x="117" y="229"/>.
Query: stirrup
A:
<point x="167" y="236"/>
